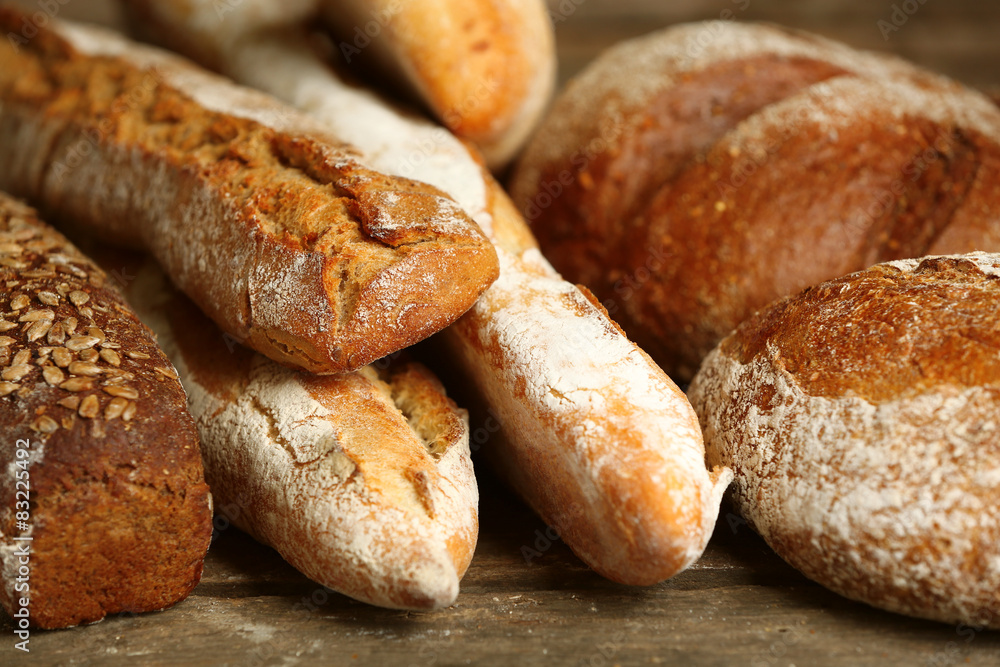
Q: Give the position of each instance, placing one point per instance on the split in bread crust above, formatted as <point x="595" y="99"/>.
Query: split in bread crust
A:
<point x="363" y="481"/>
<point x="693" y="176"/>
<point x="597" y="439"/>
<point x="268" y="223"/>
<point x="119" y="517"/>
<point x="860" y="419"/>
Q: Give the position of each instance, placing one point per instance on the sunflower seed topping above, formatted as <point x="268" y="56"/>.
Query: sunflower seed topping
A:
<point x="115" y="408"/>
<point x="78" y="343"/>
<point x="15" y="373"/>
<point x="77" y="384"/>
<point x="89" y="407"/>
<point x="84" y="368"/>
<point x="123" y="392"/>
<point x="45" y="424"/>
<point x="78" y="297"/>
<point x="53" y="375"/>
<point x="49" y="298"/>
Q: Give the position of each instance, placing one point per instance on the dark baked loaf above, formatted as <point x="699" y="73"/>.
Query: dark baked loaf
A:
<point x="860" y="418"/>
<point x="119" y="515"/>
<point x="695" y="175"/>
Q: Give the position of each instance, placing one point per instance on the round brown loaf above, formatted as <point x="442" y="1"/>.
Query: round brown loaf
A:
<point x="860" y="419"/>
<point x="695" y="175"/>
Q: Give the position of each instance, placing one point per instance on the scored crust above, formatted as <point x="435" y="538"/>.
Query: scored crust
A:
<point x="860" y="419"/>
<point x="770" y="159"/>
<point x="272" y="226"/>
<point x="362" y="481"/>
<point x="120" y="515"/>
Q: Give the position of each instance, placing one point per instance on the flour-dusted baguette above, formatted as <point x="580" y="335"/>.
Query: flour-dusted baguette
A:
<point x="695" y="175"/>
<point x="270" y="224"/>
<point x="861" y="420"/>
<point x="103" y="504"/>
<point x="363" y="481"/>
<point x="597" y="439"/>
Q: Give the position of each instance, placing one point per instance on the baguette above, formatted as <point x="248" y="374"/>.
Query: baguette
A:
<point x="693" y="176"/>
<point x="103" y="503"/>
<point x="271" y="225"/>
<point x="860" y="416"/>
<point x="593" y="434"/>
<point x="362" y="481"/>
<point x="486" y="68"/>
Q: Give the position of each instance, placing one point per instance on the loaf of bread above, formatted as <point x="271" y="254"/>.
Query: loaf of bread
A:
<point x="271" y="225"/>
<point x="695" y="175"/>
<point x="485" y="68"/>
<point x="363" y="481"/>
<point x="103" y="503"/>
<point x="592" y="433"/>
<point x="860" y="419"/>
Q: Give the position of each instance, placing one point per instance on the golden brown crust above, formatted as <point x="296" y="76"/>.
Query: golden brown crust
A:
<point x="859" y="417"/>
<point x="767" y="159"/>
<point x="120" y="517"/>
<point x="277" y="232"/>
<point x="486" y="68"/>
<point x="855" y="319"/>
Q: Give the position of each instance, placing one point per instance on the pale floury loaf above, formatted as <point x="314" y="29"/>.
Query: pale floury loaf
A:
<point x="861" y="420"/>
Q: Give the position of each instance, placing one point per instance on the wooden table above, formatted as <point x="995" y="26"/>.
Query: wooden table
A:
<point x="526" y="599"/>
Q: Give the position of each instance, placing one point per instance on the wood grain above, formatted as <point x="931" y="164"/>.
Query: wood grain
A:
<point x="739" y="605"/>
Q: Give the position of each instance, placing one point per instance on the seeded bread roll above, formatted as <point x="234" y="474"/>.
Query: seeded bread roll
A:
<point x="860" y="418"/>
<point x="362" y="481"/>
<point x="271" y="225"/>
<point x="118" y="515"/>
<point x="592" y="433"/>
<point x="695" y="175"/>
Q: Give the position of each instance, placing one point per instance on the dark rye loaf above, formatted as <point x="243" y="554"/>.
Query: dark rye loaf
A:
<point x="120" y="515"/>
<point x="695" y="175"/>
<point x="861" y="418"/>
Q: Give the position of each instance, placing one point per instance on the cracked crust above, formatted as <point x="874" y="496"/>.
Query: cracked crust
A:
<point x="771" y="159"/>
<point x="269" y="224"/>
<point x="362" y="481"/>
<point x="120" y="515"/>
<point x="591" y="433"/>
<point x="860" y="419"/>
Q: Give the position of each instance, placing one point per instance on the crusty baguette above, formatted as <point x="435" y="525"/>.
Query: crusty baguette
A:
<point x="596" y="438"/>
<point x="486" y="68"/>
<point x="271" y="225"/>
<point x="860" y="418"/>
<point x="693" y="176"/>
<point x="99" y="453"/>
<point x="363" y="481"/>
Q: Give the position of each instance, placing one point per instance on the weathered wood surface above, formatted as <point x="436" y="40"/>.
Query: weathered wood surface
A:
<point x="740" y="605"/>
